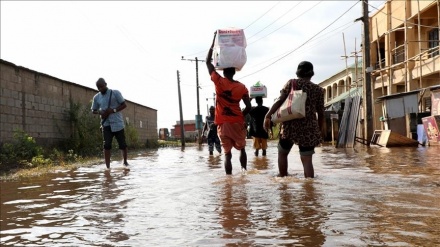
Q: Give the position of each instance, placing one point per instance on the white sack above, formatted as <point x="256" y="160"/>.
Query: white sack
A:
<point x="230" y="49"/>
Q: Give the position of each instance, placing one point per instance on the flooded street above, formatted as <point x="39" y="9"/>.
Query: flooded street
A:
<point x="360" y="197"/>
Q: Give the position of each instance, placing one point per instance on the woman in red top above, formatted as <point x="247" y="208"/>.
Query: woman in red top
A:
<point x="229" y="117"/>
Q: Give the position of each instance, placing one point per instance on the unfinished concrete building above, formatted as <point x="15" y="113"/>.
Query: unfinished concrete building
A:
<point x="405" y="63"/>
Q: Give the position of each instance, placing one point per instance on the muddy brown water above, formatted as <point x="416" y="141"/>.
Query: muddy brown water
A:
<point x="169" y="197"/>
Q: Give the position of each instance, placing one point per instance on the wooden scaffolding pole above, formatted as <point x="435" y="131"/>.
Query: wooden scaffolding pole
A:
<point x="380" y="57"/>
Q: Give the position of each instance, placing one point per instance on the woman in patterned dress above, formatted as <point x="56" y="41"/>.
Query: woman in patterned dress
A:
<point x="305" y="132"/>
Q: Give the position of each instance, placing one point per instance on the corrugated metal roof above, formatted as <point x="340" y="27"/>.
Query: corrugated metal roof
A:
<point x="343" y="96"/>
<point x="396" y="95"/>
<point x="435" y="87"/>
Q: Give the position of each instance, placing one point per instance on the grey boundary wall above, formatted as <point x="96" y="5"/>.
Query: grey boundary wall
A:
<point x="39" y="104"/>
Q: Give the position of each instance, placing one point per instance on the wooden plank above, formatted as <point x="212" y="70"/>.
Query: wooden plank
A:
<point x="389" y="138"/>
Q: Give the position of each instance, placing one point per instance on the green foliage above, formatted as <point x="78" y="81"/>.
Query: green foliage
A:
<point x="72" y="157"/>
<point x="21" y="150"/>
<point x="85" y="140"/>
<point x="39" y="160"/>
<point x="60" y="158"/>
<point x="168" y="143"/>
<point x="24" y="152"/>
<point x="132" y="137"/>
<point x="152" y="143"/>
<point x="57" y="156"/>
<point x="86" y="137"/>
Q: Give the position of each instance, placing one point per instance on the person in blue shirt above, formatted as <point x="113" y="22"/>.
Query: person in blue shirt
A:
<point x="212" y="136"/>
<point x="108" y="104"/>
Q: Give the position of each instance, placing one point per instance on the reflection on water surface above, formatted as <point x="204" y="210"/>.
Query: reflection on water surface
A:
<point x="360" y="197"/>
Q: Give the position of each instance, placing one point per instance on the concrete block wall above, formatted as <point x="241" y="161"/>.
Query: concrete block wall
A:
<point x="39" y="104"/>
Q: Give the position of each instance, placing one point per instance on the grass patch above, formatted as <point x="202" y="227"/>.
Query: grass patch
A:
<point x="18" y="173"/>
<point x="177" y="143"/>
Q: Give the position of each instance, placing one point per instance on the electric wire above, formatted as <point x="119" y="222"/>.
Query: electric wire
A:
<point x="316" y="41"/>
<point x="398" y="19"/>
<point x="132" y="40"/>
<point x="261" y="16"/>
<point x="274" y="21"/>
<point x="286" y="23"/>
<point x="290" y="52"/>
<point x="206" y="50"/>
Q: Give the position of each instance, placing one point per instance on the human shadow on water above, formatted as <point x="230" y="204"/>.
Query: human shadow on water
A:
<point x="234" y="212"/>
<point x="302" y="215"/>
<point x="110" y="189"/>
<point x="261" y="163"/>
<point x="214" y="161"/>
<point x="108" y="210"/>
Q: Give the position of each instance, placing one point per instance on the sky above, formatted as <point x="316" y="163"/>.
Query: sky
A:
<point x="139" y="46"/>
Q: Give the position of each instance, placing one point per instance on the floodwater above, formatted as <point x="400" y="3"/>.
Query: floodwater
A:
<point x="360" y="197"/>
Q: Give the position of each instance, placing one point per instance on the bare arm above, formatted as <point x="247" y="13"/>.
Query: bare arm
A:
<point x="205" y="126"/>
<point x="278" y="102"/>
<point x="109" y="111"/>
<point x="247" y="103"/>
<point x="121" y="106"/>
<point x="209" y="56"/>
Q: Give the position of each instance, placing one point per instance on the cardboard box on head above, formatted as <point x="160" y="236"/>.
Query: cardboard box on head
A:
<point x="230" y="49"/>
<point x="258" y="89"/>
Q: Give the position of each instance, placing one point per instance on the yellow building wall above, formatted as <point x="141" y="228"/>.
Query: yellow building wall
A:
<point x="420" y="4"/>
<point x="379" y="24"/>
<point x="398" y="13"/>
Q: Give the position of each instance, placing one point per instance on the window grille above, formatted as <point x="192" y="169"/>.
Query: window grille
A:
<point x="427" y="103"/>
<point x="433" y="42"/>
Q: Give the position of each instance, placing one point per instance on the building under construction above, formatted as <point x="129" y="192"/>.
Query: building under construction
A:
<point x="405" y="63"/>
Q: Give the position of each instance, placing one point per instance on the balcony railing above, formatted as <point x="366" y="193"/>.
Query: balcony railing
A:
<point x="432" y="52"/>
<point x="379" y="64"/>
<point x="399" y="54"/>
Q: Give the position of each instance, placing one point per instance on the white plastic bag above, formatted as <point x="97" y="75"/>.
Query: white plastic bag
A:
<point x="230" y="49"/>
<point x="293" y="107"/>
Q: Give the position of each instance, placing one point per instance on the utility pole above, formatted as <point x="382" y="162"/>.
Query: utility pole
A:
<point x="367" y="92"/>
<point x="198" y="116"/>
<point x="182" y="133"/>
<point x="356" y="61"/>
<point x="213" y="98"/>
<point x="347" y="87"/>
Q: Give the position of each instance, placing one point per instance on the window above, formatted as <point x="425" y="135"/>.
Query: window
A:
<point x="427" y="103"/>
<point x="433" y="42"/>
<point x="381" y="55"/>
